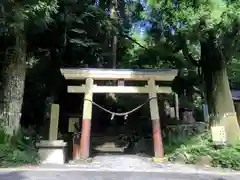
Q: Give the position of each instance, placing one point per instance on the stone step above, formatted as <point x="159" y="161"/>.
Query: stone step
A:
<point x="105" y="149"/>
<point x="108" y="144"/>
<point x="107" y="140"/>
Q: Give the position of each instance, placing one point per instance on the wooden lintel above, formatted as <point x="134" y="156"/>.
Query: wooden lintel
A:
<point x="118" y="89"/>
<point x="115" y="74"/>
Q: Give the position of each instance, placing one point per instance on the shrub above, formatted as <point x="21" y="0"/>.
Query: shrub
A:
<point x="18" y="150"/>
<point x="201" y="145"/>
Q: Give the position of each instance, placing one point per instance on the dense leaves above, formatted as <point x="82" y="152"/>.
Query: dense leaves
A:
<point x="20" y="150"/>
<point x="38" y="12"/>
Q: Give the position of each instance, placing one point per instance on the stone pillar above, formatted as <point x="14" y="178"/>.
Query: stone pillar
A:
<point x="157" y="136"/>
<point x="86" y="121"/>
<point x="53" y="129"/>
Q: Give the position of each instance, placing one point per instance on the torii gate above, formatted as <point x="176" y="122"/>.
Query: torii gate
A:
<point x="89" y="88"/>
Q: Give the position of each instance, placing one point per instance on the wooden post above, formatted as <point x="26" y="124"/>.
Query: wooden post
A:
<point x="86" y="121"/>
<point x="75" y="142"/>
<point x="157" y="137"/>
<point x="205" y="113"/>
<point x="176" y="106"/>
<point x="53" y="129"/>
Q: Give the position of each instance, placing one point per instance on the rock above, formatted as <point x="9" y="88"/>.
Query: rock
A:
<point x="180" y="158"/>
<point x="204" y="161"/>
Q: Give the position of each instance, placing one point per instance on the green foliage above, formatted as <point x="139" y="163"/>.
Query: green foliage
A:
<point x="201" y="145"/>
<point x="79" y="23"/>
<point x="17" y="150"/>
<point x="234" y="73"/>
<point x="35" y="12"/>
<point x="195" y="22"/>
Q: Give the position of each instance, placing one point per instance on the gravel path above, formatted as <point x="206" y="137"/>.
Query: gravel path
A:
<point x="141" y="164"/>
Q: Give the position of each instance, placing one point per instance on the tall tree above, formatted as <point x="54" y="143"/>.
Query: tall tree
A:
<point x="214" y="27"/>
<point x="18" y="16"/>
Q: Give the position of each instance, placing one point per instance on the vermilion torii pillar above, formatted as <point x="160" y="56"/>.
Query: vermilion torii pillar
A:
<point x="86" y="120"/>
<point x="156" y="127"/>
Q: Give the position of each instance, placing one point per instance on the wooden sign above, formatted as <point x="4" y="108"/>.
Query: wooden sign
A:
<point x="218" y="135"/>
<point x="71" y="124"/>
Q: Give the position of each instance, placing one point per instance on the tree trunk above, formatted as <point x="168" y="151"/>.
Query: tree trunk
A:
<point x="113" y="15"/>
<point x="13" y="83"/>
<point x="113" y="43"/>
<point x="114" y="52"/>
<point x="219" y="96"/>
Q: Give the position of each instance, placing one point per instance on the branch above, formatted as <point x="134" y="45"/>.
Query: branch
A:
<point x="179" y="61"/>
<point x="134" y="41"/>
<point x="229" y="43"/>
<point x="188" y="55"/>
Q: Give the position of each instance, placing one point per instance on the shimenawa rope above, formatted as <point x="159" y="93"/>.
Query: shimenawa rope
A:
<point x="125" y="114"/>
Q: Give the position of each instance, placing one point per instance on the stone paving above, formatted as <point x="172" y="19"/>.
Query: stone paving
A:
<point x="118" y="167"/>
<point x="95" y="175"/>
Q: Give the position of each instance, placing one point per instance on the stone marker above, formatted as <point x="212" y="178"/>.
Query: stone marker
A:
<point x="52" y="151"/>
<point x="53" y="130"/>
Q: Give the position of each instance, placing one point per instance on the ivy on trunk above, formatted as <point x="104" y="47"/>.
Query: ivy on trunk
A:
<point x="14" y="73"/>
<point x="219" y="97"/>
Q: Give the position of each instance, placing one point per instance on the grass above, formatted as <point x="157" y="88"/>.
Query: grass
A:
<point x="17" y="151"/>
